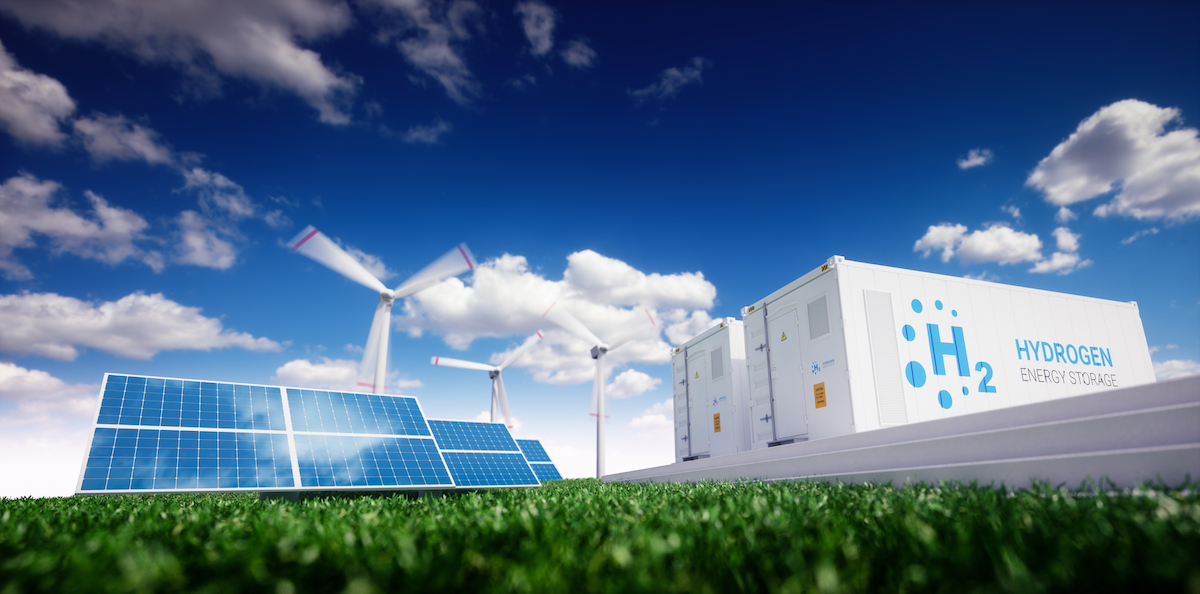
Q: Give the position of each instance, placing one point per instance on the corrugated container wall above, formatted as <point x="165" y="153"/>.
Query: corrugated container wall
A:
<point x="851" y="347"/>
<point x="709" y="377"/>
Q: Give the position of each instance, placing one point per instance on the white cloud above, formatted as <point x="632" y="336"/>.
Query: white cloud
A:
<point x="256" y="41"/>
<point x="631" y="383"/>
<point x="537" y="21"/>
<point x="1176" y="368"/>
<point x="578" y="54"/>
<point x="334" y="374"/>
<point x="1060" y="263"/>
<point x="429" y="134"/>
<point x="1067" y="241"/>
<point x="1064" y="215"/>
<point x="137" y="326"/>
<point x="115" y="138"/>
<point x="975" y="158"/>
<point x="1012" y="210"/>
<point x="1155" y="349"/>
<point x="110" y="235"/>
<point x="983" y="276"/>
<point x="42" y="439"/>
<point x="601" y="279"/>
<point x="207" y="238"/>
<point x="1065" y="260"/>
<point x="655" y="418"/>
<point x="1124" y="147"/>
<point x="41" y="397"/>
<point x="672" y="80"/>
<point x="504" y="298"/>
<point x="683" y="326"/>
<point x="430" y="36"/>
<point x="998" y="243"/>
<point x="32" y="105"/>
<point x="1139" y="235"/>
<point x="200" y="243"/>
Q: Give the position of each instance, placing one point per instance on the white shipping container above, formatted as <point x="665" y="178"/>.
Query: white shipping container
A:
<point x="851" y="347"/>
<point x="710" y="389"/>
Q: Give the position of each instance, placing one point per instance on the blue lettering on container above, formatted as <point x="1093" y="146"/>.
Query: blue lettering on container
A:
<point x="938" y="350"/>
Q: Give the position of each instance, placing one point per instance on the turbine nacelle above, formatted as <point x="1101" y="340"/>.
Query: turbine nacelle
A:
<point x="599" y="351"/>
<point x="387" y="296"/>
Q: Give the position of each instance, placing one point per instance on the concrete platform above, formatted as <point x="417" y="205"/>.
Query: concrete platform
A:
<point x="1126" y="436"/>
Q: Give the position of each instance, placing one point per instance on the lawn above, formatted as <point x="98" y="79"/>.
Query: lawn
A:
<point x="583" y="536"/>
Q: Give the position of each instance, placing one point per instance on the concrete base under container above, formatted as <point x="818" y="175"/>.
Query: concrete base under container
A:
<point x="1125" y="436"/>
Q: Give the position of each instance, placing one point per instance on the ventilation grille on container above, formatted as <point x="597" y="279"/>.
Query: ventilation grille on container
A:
<point x="717" y="363"/>
<point x="885" y="358"/>
<point x="818" y="318"/>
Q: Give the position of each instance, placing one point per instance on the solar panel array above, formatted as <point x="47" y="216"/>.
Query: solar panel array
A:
<point x="539" y="460"/>
<point x="172" y="435"/>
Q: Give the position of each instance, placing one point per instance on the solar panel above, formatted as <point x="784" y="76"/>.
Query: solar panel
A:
<point x="359" y="461"/>
<point x="533" y="450"/>
<point x="173" y="460"/>
<point x="345" y="412"/>
<point x="158" y="402"/>
<point x="473" y="436"/>
<point x="490" y="469"/>
<point x="176" y="435"/>
<point x="546" y="472"/>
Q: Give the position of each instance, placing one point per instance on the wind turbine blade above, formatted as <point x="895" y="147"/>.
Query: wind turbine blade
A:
<point x="566" y="321"/>
<point x="521" y="350"/>
<point x="508" y="420"/>
<point x="366" y="371"/>
<point x="316" y="245"/>
<point x="452" y="263"/>
<point x="444" y="362"/>
<point x="641" y="330"/>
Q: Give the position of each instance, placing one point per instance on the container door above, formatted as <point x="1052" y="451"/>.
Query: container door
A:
<point x="679" y="372"/>
<point x="697" y="390"/>
<point x="762" y="417"/>
<point x="787" y="374"/>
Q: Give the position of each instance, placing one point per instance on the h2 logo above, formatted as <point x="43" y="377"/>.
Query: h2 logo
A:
<point x="914" y="372"/>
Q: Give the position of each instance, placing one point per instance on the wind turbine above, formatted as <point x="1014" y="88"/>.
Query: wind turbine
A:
<point x="567" y="322"/>
<point x="316" y="245"/>
<point x="498" y="392"/>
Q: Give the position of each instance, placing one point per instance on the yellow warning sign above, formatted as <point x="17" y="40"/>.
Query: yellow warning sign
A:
<point x="697" y="375"/>
<point x="717" y="423"/>
<point x="819" y="394"/>
<point x="784" y="336"/>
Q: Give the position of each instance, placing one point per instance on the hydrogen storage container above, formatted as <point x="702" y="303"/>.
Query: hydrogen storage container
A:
<point x="852" y="347"/>
<point x="711" y="392"/>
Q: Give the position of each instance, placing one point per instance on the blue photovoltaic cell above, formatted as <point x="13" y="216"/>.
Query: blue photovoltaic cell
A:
<point x="171" y="459"/>
<point x="533" y="450"/>
<point x="157" y="402"/>
<point x="479" y="469"/>
<point x="466" y="435"/>
<point x="358" y="461"/>
<point x="546" y="472"/>
<point x="321" y="411"/>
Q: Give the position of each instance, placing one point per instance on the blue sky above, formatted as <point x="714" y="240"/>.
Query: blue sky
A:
<point x="689" y="159"/>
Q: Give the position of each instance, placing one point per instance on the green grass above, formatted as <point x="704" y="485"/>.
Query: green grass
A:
<point x="581" y="536"/>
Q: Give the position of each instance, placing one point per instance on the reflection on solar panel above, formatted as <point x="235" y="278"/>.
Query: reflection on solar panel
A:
<point x="170" y="435"/>
<point x="473" y="436"/>
<point x="546" y="472"/>
<point x="344" y="412"/>
<point x="533" y="450"/>
<point x="357" y="461"/>
<point x="490" y="469"/>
